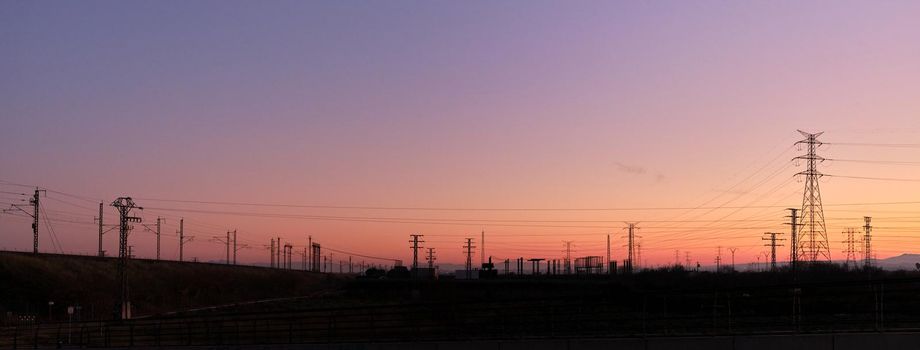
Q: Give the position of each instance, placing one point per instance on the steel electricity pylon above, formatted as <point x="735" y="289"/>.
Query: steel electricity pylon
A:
<point x="631" y="251"/>
<point x="812" y="241"/>
<point x="867" y="241"/>
<point x="431" y="258"/>
<point x="850" y="242"/>
<point x="468" y="250"/>
<point x="415" y="241"/>
<point x="772" y="246"/>
<point x="124" y="206"/>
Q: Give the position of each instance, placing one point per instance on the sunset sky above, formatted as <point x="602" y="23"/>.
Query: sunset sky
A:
<point x="360" y="123"/>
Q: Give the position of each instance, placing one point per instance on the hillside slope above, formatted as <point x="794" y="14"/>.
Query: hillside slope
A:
<point x="28" y="282"/>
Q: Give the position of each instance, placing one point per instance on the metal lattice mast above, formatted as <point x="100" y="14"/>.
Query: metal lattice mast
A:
<point x="431" y="258"/>
<point x="469" y="257"/>
<point x="867" y="241"/>
<point x="35" y="206"/>
<point x="415" y="248"/>
<point x="631" y="247"/>
<point x="159" y="220"/>
<point x="101" y="232"/>
<point x="124" y="206"/>
<point x="812" y="240"/>
<point x="850" y="242"/>
<point x="568" y="257"/>
<point x="773" y="246"/>
<point x="794" y="234"/>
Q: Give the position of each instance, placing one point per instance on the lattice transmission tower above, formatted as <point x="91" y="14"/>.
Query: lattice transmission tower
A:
<point x="812" y="242"/>
<point x="124" y="206"/>
<point x="850" y="243"/>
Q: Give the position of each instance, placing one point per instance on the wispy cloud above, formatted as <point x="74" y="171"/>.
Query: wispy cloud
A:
<point x="631" y="169"/>
<point x="639" y="170"/>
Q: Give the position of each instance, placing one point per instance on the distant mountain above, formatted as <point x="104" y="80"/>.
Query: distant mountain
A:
<point x="904" y="261"/>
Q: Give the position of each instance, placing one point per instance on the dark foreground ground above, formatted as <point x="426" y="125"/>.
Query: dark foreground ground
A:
<point x="660" y="304"/>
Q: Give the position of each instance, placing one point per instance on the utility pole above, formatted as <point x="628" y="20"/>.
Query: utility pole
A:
<point x="687" y="259"/>
<point x="772" y="246"/>
<point x="639" y="255"/>
<point x="310" y="252"/>
<point x="34" y="203"/>
<point x="304" y="257"/>
<point x="431" y="258"/>
<point x="415" y="248"/>
<point x="226" y="242"/>
<point x="182" y="239"/>
<point x="159" y="219"/>
<point x="794" y="236"/>
<point x="733" y="257"/>
<point x="156" y="231"/>
<point x="228" y="247"/>
<point x="124" y="206"/>
<point x="234" y="247"/>
<point x="719" y="260"/>
<point x="482" y="248"/>
<point x="315" y="253"/>
<point x="288" y="249"/>
<point x="271" y="253"/>
<point x="867" y="240"/>
<point x="101" y="231"/>
<point x="469" y="257"/>
<point x="35" y="209"/>
<point x="815" y="245"/>
<point x="609" y="272"/>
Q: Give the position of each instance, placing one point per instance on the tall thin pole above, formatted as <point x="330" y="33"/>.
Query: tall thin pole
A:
<point x="608" y="255"/>
<point x="228" y="247"/>
<point x="867" y="240"/>
<point x="794" y="239"/>
<point x="719" y="260"/>
<point x="234" y="246"/>
<point x="35" y="207"/>
<point x="158" y="237"/>
<point x="482" y="248"/>
<point x="733" y="257"/>
<point x="181" y="237"/>
<point x="101" y="252"/>
<point x="568" y="257"/>
<point x="415" y="241"/>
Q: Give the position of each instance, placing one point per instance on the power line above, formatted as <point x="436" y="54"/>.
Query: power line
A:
<point x="892" y="145"/>
<point x="874" y="178"/>
<point x="889" y="162"/>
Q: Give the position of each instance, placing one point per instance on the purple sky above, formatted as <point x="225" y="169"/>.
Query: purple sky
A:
<point x="456" y="104"/>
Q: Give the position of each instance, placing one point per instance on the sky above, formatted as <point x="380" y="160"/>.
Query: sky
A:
<point x="363" y="122"/>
